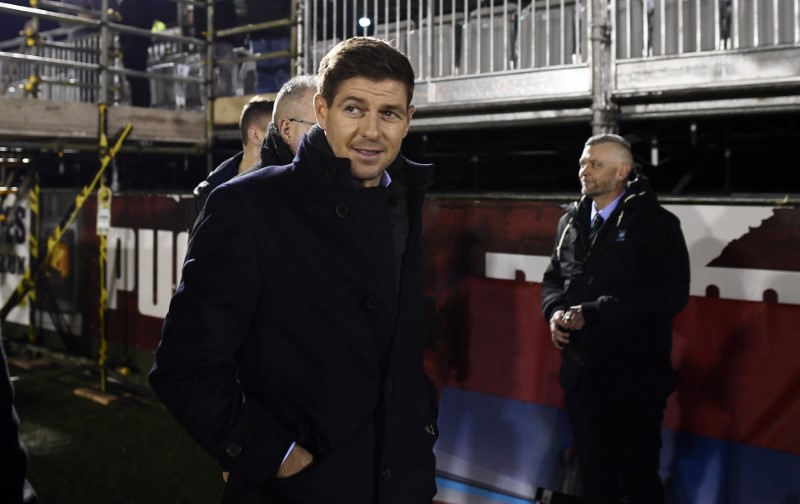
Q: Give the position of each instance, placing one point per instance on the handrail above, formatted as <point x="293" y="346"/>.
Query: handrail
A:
<point x="266" y="25"/>
<point x="45" y="14"/>
<point x="62" y="6"/>
<point x="92" y="66"/>
<point x="95" y="23"/>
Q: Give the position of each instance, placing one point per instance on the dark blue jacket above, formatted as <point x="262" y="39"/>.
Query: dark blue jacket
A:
<point x="288" y="326"/>
<point x="629" y="284"/>
<point x="226" y="170"/>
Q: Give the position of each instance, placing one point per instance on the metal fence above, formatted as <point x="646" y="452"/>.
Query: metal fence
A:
<point x="57" y="82"/>
<point x="442" y="38"/>
<point x="666" y="27"/>
<point x="459" y="38"/>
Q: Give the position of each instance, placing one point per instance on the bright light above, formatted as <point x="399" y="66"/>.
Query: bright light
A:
<point x="364" y="22"/>
<point x="25" y="160"/>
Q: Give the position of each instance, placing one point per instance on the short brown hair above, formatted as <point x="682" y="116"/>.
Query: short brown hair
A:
<point x="257" y="111"/>
<point x="366" y="57"/>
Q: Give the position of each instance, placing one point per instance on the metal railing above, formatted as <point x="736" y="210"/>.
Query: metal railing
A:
<point x="458" y="38"/>
<point x="665" y="27"/>
<point x="443" y="39"/>
<point x="74" y="63"/>
<point x="79" y="63"/>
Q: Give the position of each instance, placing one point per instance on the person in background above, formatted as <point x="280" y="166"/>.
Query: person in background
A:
<point x="610" y="293"/>
<point x="14" y="487"/>
<point x="270" y="73"/>
<point x="293" y="112"/>
<point x="253" y="121"/>
<point x="138" y="14"/>
<point x="292" y="117"/>
<point x="293" y="347"/>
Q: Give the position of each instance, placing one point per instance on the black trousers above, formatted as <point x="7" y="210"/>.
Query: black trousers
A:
<point x="617" y="442"/>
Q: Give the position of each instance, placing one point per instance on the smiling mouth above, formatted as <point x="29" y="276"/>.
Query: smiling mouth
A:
<point x="368" y="152"/>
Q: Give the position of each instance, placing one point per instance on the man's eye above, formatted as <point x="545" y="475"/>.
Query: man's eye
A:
<point x="351" y="109"/>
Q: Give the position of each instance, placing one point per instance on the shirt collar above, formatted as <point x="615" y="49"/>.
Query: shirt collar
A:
<point x="608" y="210"/>
<point x="386" y="179"/>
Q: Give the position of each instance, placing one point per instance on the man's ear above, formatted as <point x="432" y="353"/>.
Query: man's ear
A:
<point x="254" y="135"/>
<point x="284" y="129"/>
<point x="624" y="171"/>
<point x="321" y="111"/>
<point x="409" y="114"/>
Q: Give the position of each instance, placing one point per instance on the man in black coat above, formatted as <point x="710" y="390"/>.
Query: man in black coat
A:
<point x="253" y="121"/>
<point x="610" y="293"/>
<point x="293" y="347"/>
<point x="292" y="116"/>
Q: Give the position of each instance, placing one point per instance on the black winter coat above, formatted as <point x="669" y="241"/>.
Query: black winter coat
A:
<point x="287" y="326"/>
<point x="630" y="285"/>
<point x="227" y="170"/>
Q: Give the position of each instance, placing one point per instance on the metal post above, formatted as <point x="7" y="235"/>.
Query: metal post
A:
<point x="105" y="48"/>
<point x="209" y="81"/>
<point x="33" y="246"/>
<point x="32" y="86"/>
<point x="603" y="116"/>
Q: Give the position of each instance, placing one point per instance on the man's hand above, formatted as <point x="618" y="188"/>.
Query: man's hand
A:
<point x="299" y="458"/>
<point x="563" y="322"/>
<point x="558" y="331"/>
<point x="572" y="319"/>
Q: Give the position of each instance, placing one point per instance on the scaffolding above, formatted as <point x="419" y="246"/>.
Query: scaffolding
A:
<point x="495" y="62"/>
<point x="80" y="63"/>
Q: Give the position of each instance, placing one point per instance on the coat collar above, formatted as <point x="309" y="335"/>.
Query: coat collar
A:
<point x="316" y="160"/>
<point x="274" y="150"/>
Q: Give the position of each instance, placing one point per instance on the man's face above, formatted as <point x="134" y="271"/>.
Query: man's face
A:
<point x="366" y="123"/>
<point x="602" y="172"/>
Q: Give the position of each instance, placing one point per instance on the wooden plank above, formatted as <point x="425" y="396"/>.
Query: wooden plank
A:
<point x="159" y="125"/>
<point x="96" y="395"/>
<point x="28" y="118"/>
<point x="228" y="109"/>
<point x="29" y="364"/>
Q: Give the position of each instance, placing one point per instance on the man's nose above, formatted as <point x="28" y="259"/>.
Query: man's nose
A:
<point x="370" y="126"/>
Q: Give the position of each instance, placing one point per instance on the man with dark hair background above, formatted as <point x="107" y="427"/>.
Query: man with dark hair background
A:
<point x="253" y="128"/>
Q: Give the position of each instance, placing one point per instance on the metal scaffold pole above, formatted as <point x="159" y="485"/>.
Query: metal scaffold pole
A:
<point x="103" y="225"/>
<point x="33" y="247"/>
<point x="209" y="81"/>
<point x="603" y="109"/>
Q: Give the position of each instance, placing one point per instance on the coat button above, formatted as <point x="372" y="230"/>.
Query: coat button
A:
<point x="233" y="449"/>
<point x="330" y="171"/>
<point x="342" y="210"/>
<point x="386" y="475"/>
<point x="373" y="303"/>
